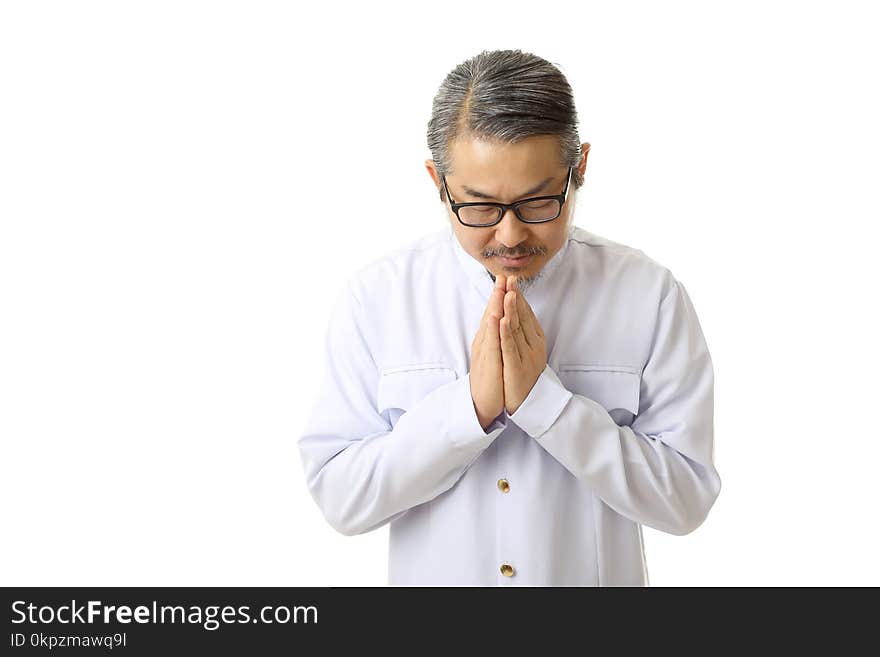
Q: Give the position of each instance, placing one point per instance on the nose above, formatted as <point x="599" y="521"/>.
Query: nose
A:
<point x="510" y="231"/>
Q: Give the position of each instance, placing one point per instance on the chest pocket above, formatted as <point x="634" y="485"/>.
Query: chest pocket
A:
<point x="401" y="388"/>
<point x="615" y="387"/>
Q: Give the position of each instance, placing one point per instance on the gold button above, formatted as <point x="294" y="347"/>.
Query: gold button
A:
<point x="503" y="485"/>
<point x="507" y="570"/>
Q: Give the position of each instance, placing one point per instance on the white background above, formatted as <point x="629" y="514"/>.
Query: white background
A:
<point x="184" y="186"/>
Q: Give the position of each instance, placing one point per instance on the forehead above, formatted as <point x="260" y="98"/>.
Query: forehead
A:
<point x="502" y="166"/>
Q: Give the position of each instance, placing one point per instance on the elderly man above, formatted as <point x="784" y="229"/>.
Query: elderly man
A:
<point x="514" y="395"/>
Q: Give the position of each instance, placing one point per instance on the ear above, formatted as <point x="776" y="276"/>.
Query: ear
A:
<point x="585" y="151"/>
<point x="435" y="176"/>
<point x="432" y="171"/>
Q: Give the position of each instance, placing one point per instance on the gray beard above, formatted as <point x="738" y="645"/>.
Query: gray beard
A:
<point x="525" y="282"/>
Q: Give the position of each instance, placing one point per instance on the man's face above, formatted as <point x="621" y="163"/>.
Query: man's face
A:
<point x="503" y="173"/>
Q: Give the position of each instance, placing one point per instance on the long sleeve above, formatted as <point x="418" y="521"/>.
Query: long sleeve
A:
<point x="659" y="471"/>
<point x="361" y="471"/>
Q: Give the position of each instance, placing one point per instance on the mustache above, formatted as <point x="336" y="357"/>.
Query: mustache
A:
<point x="505" y="253"/>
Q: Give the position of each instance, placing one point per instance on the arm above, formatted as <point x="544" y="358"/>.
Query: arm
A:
<point x="360" y="471"/>
<point x="658" y="472"/>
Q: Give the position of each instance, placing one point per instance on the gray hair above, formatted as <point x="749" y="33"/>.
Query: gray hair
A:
<point x="507" y="95"/>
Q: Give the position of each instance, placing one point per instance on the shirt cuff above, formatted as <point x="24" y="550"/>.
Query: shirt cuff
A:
<point x="499" y="422"/>
<point x="543" y="405"/>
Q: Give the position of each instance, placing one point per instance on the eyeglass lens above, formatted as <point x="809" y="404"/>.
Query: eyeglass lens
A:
<point x="478" y="215"/>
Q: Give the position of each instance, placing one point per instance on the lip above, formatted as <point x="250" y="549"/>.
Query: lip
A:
<point x="514" y="262"/>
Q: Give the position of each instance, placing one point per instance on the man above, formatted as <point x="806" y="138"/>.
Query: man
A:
<point x="514" y="395"/>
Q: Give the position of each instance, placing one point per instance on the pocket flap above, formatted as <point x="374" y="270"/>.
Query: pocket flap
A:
<point x="403" y="387"/>
<point x="612" y="386"/>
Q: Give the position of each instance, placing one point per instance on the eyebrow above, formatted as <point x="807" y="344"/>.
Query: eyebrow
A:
<point x="533" y="190"/>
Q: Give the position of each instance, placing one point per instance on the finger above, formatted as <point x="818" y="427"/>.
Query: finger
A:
<point x="526" y="319"/>
<point x="486" y="325"/>
<point x="509" y="349"/>
<point x="527" y="316"/>
<point x="492" y="337"/>
<point x="492" y="306"/>
<point x="493" y="340"/>
<point x="516" y="327"/>
<point x="520" y="302"/>
<point x="520" y="334"/>
<point x="492" y="349"/>
<point x="510" y="310"/>
<point x="496" y="300"/>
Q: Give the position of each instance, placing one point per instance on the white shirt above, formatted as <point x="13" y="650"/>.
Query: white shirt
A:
<point x="616" y="433"/>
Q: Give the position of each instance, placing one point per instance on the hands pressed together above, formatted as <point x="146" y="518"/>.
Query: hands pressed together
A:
<point x="508" y="353"/>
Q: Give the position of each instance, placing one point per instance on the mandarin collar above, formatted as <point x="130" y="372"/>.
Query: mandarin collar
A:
<point x="482" y="280"/>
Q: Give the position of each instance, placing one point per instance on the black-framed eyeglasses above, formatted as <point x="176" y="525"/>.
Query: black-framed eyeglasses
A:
<point x="534" y="210"/>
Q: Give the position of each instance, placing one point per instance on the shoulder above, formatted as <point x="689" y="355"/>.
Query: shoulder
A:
<point x="402" y="266"/>
<point x="620" y="262"/>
